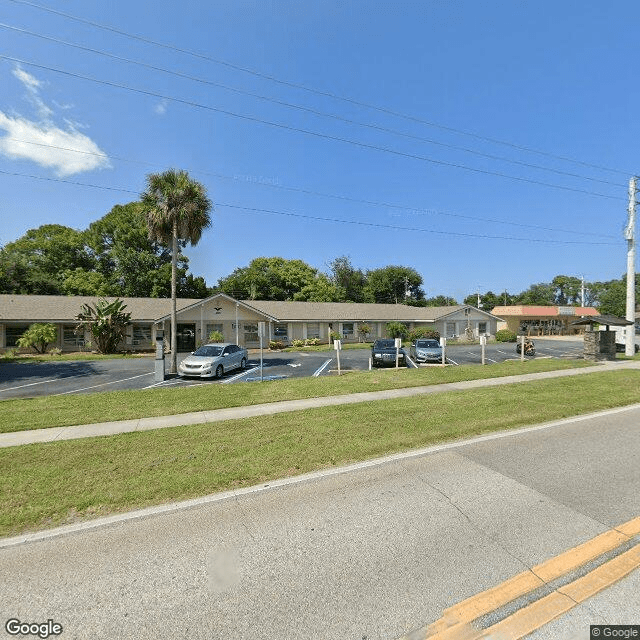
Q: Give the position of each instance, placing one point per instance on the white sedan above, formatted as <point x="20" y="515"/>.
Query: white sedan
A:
<point x="213" y="361"/>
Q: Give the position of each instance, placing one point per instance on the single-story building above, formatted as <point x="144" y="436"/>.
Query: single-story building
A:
<point x="237" y="320"/>
<point x="542" y="320"/>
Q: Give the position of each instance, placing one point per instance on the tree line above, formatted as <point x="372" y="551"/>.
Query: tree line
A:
<point x="116" y="256"/>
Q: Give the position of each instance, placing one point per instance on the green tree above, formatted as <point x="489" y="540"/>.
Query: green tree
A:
<point x="542" y="294"/>
<point x="107" y="322"/>
<point x="269" y="279"/>
<point x="363" y="331"/>
<point x="567" y="290"/>
<point x="347" y="279"/>
<point x="33" y="263"/>
<point x="440" y="301"/>
<point x="393" y="284"/>
<point x="176" y="208"/>
<point x="320" y="290"/>
<point x="39" y="336"/>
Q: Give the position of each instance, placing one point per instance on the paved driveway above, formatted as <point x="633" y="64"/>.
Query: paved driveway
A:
<point x="20" y="380"/>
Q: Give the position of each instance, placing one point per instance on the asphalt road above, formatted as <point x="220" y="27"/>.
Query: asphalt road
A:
<point x="21" y="380"/>
<point x="363" y="553"/>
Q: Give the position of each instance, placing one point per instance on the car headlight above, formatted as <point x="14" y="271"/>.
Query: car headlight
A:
<point x="377" y="355"/>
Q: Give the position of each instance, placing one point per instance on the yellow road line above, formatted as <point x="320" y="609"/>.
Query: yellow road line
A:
<point x="455" y="620"/>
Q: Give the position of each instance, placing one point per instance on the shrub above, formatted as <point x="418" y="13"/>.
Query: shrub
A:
<point x="10" y="354"/>
<point x="55" y="351"/>
<point x="363" y="331"/>
<point x="39" y="336"/>
<point x="311" y="342"/>
<point x="297" y="343"/>
<point x="216" y="336"/>
<point x="505" y="335"/>
<point x="424" y="332"/>
<point x="334" y="335"/>
<point x="276" y="344"/>
<point x="397" y="330"/>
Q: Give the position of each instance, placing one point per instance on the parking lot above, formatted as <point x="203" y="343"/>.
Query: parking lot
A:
<point x="20" y="380"/>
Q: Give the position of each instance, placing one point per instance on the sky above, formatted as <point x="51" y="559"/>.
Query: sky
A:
<point x="487" y="144"/>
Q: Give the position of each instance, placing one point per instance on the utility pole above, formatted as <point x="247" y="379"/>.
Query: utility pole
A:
<point x="629" y="234"/>
<point x="582" y="293"/>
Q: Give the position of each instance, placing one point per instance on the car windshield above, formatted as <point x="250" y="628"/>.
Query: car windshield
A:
<point x="384" y="344"/>
<point x="208" y="351"/>
<point x="427" y="344"/>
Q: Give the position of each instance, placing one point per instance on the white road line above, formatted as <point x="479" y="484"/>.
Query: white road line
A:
<point x="31" y="384"/>
<point x="412" y="362"/>
<point x="239" y="375"/>
<point x="104" y="384"/>
<point x="452" y="361"/>
<point x="321" y="369"/>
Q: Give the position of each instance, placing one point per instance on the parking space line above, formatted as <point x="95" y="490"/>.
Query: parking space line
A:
<point x="318" y="371"/>
<point x="452" y="361"/>
<point x="103" y="384"/>
<point x="31" y="384"/>
<point x="237" y="376"/>
<point x="412" y="362"/>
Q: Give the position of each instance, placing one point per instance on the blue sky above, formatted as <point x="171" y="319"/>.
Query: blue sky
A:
<point x="437" y="108"/>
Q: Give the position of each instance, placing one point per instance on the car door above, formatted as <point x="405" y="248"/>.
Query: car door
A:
<point x="232" y="361"/>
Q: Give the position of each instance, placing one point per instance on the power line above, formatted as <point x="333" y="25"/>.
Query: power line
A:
<point x="309" y="132"/>
<point x="309" y="110"/>
<point x="315" y="91"/>
<point x="325" y="219"/>
<point x="374" y="203"/>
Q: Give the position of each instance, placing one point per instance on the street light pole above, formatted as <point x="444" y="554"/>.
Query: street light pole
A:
<point x="629" y="234"/>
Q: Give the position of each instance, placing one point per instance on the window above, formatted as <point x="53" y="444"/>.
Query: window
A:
<point x="281" y="330"/>
<point x="251" y="333"/>
<point x="313" y="330"/>
<point x="141" y="336"/>
<point x="14" y="333"/>
<point x="482" y="328"/>
<point x="211" y="328"/>
<point x="451" y="329"/>
<point x="70" y="338"/>
<point x="347" y="330"/>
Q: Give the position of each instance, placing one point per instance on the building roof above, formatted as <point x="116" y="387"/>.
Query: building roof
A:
<point x="328" y="311"/>
<point x="548" y="311"/>
<point x="28" y="308"/>
<point x="607" y="320"/>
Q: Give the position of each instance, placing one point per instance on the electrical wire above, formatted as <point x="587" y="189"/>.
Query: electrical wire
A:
<point x="374" y="203"/>
<point x="316" y="91"/>
<point x="308" y="132"/>
<point x="309" y="110"/>
<point x="327" y="219"/>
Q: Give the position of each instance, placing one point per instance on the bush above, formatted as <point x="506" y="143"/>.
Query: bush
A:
<point x="55" y="351"/>
<point x="505" y="335"/>
<point x="216" y="336"/>
<point x="39" y="336"/>
<point x="334" y="335"/>
<point x="397" y="330"/>
<point x="297" y="343"/>
<point x="363" y="331"/>
<point x="276" y="344"/>
<point x="424" y="332"/>
<point x="311" y="342"/>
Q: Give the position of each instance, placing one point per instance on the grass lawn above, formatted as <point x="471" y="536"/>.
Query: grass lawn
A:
<point x="44" y="485"/>
<point x="66" y="410"/>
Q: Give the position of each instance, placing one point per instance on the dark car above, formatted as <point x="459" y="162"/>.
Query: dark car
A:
<point x="383" y="352"/>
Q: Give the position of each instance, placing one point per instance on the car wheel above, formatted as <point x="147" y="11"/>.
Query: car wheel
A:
<point x="243" y="364"/>
<point x="219" y="371"/>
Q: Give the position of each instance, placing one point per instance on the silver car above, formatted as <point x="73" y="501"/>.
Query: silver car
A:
<point x="426" y="350"/>
<point x="213" y="360"/>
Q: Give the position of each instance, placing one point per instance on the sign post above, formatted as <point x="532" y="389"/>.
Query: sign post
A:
<point x="398" y="347"/>
<point x="483" y="344"/>
<point x="159" y="369"/>
<point x="261" y="335"/>
<point x="337" y="345"/>
<point x="443" y="344"/>
<point x="522" y="348"/>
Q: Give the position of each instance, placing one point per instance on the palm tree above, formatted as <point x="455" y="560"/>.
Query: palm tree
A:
<point x="177" y="209"/>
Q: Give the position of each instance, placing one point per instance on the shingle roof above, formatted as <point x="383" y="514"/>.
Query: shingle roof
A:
<point x="27" y="308"/>
<point x="314" y="311"/>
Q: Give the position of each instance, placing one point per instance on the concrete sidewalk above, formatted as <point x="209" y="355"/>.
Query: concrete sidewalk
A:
<point x="217" y="415"/>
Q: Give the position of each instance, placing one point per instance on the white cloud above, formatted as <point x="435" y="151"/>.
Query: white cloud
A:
<point x="161" y="107"/>
<point x="46" y="145"/>
<point x="65" y="150"/>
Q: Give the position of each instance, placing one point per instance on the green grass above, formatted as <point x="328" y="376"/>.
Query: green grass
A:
<point x="44" y="485"/>
<point x="67" y="410"/>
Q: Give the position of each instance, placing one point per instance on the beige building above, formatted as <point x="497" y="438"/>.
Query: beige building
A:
<point x="237" y="320"/>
